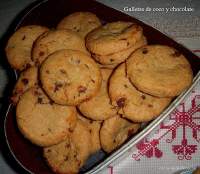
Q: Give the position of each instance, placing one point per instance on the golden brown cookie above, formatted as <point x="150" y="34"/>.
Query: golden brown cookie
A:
<point x="27" y="79"/>
<point x="118" y="57"/>
<point x="99" y="107"/>
<point x="55" y="40"/>
<point x="131" y="103"/>
<point x="19" y="46"/>
<point x="70" y="155"/>
<point x="113" y="37"/>
<point x="41" y="121"/>
<point x="80" y="22"/>
<point x="70" y="77"/>
<point x="115" y="131"/>
<point x="159" y="71"/>
<point x="94" y="129"/>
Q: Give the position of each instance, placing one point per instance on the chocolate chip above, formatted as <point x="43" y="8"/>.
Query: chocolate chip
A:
<point x="63" y="71"/>
<point x="36" y="93"/>
<point x="90" y="131"/>
<point x="111" y="60"/>
<point x="114" y="141"/>
<point x="79" y="163"/>
<point x="39" y="100"/>
<point x="150" y="106"/>
<point x="25" y="81"/>
<point x="130" y="132"/>
<point x="51" y="102"/>
<point x="41" y="53"/>
<point x="121" y="102"/>
<point x="49" y="150"/>
<point x="143" y="97"/>
<point x="66" y="158"/>
<point x="176" y="54"/>
<point x="78" y="61"/>
<point x="28" y="65"/>
<point x="145" y="51"/>
<point x="57" y="86"/>
<point x="47" y="71"/>
<point x="70" y="130"/>
<point x="93" y="81"/>
<point x="76" y="29"/>
<point x="123" y="39"/>
<point x="128" y="43"/>
<point x="24" y="37"/>
<point x="67" y="145"/>
<point x="37" y="62"/>
<point x="82" y="89"/>
<point x="86" y="66"/>
<point x="125" y="86"/>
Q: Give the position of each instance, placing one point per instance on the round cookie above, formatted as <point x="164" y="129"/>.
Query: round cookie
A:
<point x="159" y="71"/>
<point x="27" y="79"/>
<point x="113" y="37"/>
<point x="131" y="103"/>
<point x="94" y="129"/>
<point x="99" y="107"/>
<point x="70" y="77"/>
<point x="55" y="40"/>
<point x="41" y="121"/>
<point x="118" y="57"/>
<point x="80" y="22"/>
<point x="70" y="155"/>
<point x="19" y="46"/>
<point x="115" y="131"/>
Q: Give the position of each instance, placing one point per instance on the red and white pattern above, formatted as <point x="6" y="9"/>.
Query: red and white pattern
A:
<point x="174" y="146"/>
<point x="181" y="120"/>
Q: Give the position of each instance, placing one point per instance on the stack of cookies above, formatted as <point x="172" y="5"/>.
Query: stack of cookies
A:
<point x="112" y="43"/>
<point x="87" y="86"/>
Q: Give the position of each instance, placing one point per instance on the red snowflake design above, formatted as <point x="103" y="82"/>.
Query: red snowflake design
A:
<point x="148" y="148"/>
<point x="182" y="119"/>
